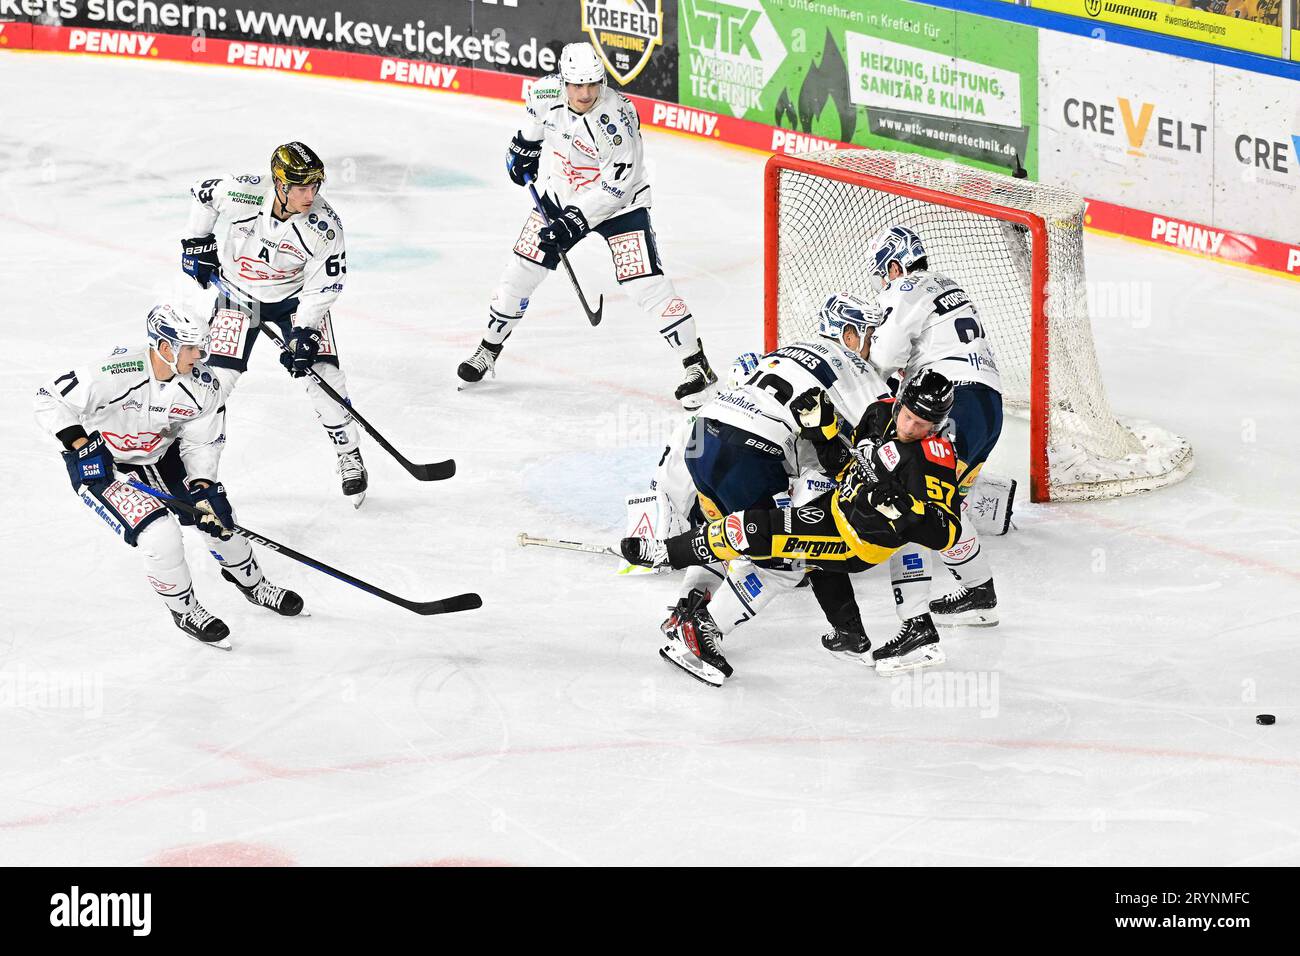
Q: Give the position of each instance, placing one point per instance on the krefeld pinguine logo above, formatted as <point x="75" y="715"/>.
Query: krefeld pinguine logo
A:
<point x="624" y="33"/>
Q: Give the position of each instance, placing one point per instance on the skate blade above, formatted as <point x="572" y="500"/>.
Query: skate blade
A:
<point x="931" y="655"/>
<point x="702" y="672"/>
<point x="851" y="657"/>
<point x="356" y="499"/>
<point x="966" y="619"/>
<point x="221" y="645"/>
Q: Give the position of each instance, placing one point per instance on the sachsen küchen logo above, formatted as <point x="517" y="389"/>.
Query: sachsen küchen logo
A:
<point x="624" y="33"/>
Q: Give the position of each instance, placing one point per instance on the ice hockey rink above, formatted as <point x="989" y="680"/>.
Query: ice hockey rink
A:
<point x="1113" y="713"/>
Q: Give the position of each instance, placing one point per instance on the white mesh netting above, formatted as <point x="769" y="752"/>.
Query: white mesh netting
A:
<point x="822" y="229"/>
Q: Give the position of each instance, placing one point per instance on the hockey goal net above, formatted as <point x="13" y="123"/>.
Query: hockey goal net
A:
<point x="1016" y="247"/>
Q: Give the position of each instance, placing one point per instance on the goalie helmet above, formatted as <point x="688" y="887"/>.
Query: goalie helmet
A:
<point x="928" y="395"/>
<point x="296" y="164"/>
<point x="173" y="325"/>
<point x="894" y="244"/>
<point x="579" y="63"/>
<point x="742" y="368"/>
<point x="846" y="310"/>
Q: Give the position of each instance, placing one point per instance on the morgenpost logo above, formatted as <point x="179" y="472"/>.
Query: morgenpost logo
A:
<point x="624" y="33"/>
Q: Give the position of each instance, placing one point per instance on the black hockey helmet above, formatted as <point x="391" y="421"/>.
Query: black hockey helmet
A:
<point x="928" y="395"/>
<point x="296" y="164"/>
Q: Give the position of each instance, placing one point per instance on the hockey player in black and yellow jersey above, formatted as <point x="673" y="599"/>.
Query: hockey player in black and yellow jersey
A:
<point x="896" y="483"/>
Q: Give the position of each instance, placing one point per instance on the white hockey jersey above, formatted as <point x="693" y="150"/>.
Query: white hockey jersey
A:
<point x="268" y="260"/>
<point x="593" y="161"/>
<point x="930" y="322"/>
<point x="762" y="405"/>
<point x="139" y="416"/>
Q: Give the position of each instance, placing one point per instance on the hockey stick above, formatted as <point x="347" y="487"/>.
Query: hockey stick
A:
<point x="592" y="317"/>
<point x="457" y="602"/>
<point x="433" y="471"/>
<point x="526" y="539"/>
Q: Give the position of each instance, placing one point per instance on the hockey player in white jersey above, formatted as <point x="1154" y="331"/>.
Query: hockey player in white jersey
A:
<point x="581" y="142"/>
<point x="930" y="322"/>
<point x="283" y="260"/>
<point x="156" y="415"/>
<point x="749" y="442"/>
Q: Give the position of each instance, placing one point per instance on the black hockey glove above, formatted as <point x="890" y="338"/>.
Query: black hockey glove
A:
<point x="564" y="231"/>
<point x="199" y="258"/>
<point x="218" y="517"/>
<point x="522" y="159"/>
<point x="892" y="500"/>
<point x="90" y="465"/>
<point x="303" y="347"/>
<point x="817" y="419"/>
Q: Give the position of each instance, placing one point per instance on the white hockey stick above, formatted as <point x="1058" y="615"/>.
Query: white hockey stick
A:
<point x="526" y="540"/>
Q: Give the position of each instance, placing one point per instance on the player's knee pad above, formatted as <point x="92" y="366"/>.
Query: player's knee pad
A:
<point x="518" y="282"/>
<point x="161" y="546"/>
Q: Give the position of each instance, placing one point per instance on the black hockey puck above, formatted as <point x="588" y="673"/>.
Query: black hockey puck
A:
<point x="1265" y="719"/>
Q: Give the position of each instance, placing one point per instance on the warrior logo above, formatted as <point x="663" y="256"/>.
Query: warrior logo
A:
<point x="624" y="33"/>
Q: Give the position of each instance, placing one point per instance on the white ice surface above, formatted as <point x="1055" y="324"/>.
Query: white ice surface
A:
<point x="1139" y="637"/>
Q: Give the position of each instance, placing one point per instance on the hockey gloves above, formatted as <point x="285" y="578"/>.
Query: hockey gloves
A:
<point x="522" y="159"/>
<point x="300" y="352"/>
<point x="218" y="517"/>
<point x="91" y="464"/>
<point x="564" y="231"/>
<point x="199" y="258"/>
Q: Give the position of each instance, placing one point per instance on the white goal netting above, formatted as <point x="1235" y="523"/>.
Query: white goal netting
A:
<point x="822" y="227"/>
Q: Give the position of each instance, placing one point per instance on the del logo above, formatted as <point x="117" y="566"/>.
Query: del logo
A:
<point x="889" y="455"/>
<point x="181" y="412"/>
<point x="624" y="33"/>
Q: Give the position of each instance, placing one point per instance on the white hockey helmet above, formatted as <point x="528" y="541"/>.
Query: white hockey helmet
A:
<point x="173" y="325"/>
<point x="845" y="310"/>
<point x="579" y="63"/>
<point x="742" y="368"/>
<point x="894" y="244"/>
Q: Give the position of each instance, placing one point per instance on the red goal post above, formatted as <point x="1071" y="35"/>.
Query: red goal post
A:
<point x="1016" y="247"/>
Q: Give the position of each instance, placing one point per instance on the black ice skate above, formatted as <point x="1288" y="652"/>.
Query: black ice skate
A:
<point x="644" y="552"/>
<point x="483" y="360"/>
<point x="846" y="642"/>
<point x="694" y="641"/>
<point x="974" y="607"/>
<point x="203" y="627"/>
<point x="353" y="475"/>
<point x="265" y="594"/>
<point x="915" y="645"/>
<point x="694" y="390"/>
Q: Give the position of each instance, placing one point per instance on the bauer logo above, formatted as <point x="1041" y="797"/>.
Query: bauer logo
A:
<point x="624" y="33"/>
<point x="274" y="57"/>
<point x="110" y="41"/>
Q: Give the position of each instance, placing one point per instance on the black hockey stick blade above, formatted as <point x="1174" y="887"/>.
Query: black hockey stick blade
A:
<point x="457" y="602"/>
<point x="432" y="471"/>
